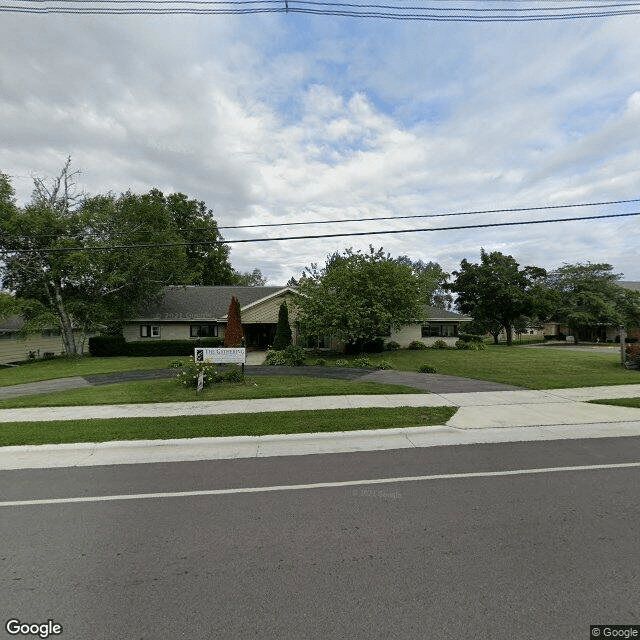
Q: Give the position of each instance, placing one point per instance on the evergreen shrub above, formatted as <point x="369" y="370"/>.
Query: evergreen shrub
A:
<point x="416" y="345"/>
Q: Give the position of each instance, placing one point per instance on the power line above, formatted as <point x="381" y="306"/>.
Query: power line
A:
<point x="573" y="9"/>
<point x="370" y="219"/>
<point x="434" y="215"/>
<point x="310" y="237"/>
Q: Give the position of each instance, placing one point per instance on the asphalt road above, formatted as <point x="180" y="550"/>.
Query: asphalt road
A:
<point x="515" y="556"/>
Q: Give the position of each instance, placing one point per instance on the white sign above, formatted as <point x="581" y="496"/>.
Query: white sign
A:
<point x="222" y="355"/>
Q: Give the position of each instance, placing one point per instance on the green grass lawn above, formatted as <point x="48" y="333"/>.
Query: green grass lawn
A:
<point x="171" y="391"/>
<point x="533" y="368"/>
<point x="620" y="402"/>
<point x="67" y="368"/>
<point x="252" y="424"/>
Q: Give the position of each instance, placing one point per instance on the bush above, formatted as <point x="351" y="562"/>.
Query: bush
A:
<point x="292" y="356"/>
<point x="276" y="358"/>
<point x="471" y="346"/>
<point x="176" y="364"/>
<point x="342" y="363"/>
<point x="633" y="356"/>
<point x="107" y="346"/>
<point x="191" y="370"/>
<point x="416" y="345"/>
<point x="362" y="362"/>
<point x="383" y="364"/>
<point x="439" y="344"/>
<point x="365" y="346"/>
<point x="320" y="362"/>
<point x="427" y="368"/>
<point x="471" y="337"/>
<point x="392" y="345"/>
<point x="169" y="347"/>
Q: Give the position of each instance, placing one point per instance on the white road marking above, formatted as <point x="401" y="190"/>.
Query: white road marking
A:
<point x="317" y="485"/>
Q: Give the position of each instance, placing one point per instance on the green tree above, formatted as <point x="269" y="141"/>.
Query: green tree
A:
<point x="588" y="298"/>
<point x="207" y="257"/>
<point x="248" y="278"/>
<point x="358" y="296"/>
<point x="87" y="262"/>
<point x="283" y="330"/>
<point x="433" y="279"/>
<point x="496" y="292"/>
<point x="233" y="331"/>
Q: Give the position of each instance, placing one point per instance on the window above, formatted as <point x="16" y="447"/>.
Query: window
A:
<point x="149" y="331"/>
<point x="447" y="330"/>
<point x="203" y="330"/>
<point x="318" y="342"/>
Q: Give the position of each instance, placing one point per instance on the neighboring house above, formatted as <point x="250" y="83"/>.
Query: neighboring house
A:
<point x="197" y="312"/>
<point x="15" y="347"/>
<point x="602" y="333"/>
<point x="439" y="325"/>
<point x="201" y="312"/>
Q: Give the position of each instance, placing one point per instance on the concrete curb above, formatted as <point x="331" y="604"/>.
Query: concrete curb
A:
<point x="184" y="450"/>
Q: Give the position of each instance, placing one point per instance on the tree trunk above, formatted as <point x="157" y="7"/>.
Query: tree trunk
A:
<point x="66" y="326"/>
<point x="509" y="331"/>
<point x="496" y="337"/>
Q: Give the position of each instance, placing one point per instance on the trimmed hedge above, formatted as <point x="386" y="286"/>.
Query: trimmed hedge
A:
<point x="110" y="346"/>
<point x="107" y="346"/>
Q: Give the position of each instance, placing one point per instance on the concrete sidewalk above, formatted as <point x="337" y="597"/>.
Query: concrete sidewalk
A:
<point x="492" y="416"/>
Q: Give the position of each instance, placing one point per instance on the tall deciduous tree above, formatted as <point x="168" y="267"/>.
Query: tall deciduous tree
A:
<point x="433" y="278"/>
<point x="283" y="330"/>
<point x="588" y="298"/>
<point x="497" y="291"/>
<point x="358" y="296"/>
<point x="233" y="331"/>
<point x="86" y="262"/>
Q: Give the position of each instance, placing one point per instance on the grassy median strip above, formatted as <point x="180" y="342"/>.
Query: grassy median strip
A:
<point x="237" y="424"/>
<point x="620" y="402"/>
<point x="170" y="390"/>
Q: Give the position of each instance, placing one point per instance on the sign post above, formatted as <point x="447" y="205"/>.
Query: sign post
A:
<point x="200" y="382"/>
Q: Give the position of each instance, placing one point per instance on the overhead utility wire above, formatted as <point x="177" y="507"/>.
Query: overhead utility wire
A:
<point x="431" y="215"/>
<point x="382" y="11"/>
<point x="309" y="237"/>
<point x="343" y="220"/>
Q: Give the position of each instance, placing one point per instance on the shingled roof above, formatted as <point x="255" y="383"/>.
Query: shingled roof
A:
<point x="212" y="303"/>
<point x="203" y="303"/>
<point x="434" y="314"/>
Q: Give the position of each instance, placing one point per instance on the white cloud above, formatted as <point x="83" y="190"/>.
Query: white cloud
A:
<point x="276" y="119"/>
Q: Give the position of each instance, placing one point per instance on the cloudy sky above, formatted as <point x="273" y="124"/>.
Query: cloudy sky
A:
<point x="281" y="118"/>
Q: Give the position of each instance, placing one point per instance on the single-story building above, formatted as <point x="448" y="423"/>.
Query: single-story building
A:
<point x="439" y="324"/>
<point x="198" y="312"/>
<point x="17" y="347"/>
<point x="201" y="312"/>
